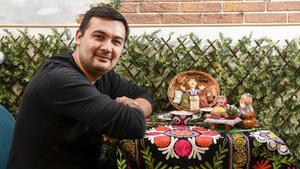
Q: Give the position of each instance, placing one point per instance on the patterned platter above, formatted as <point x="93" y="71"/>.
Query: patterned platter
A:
<point x="168" y="116"/>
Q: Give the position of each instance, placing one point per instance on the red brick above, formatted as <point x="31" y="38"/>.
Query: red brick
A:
<point x="160" y="7"/>
<point x="244" y="6"/>
<point x="130" y="1"/>
<point x="283" y="6"/>
<point x="266" y="18"/>
<point x="201" y="7"/>
<point x="294" y="18"/>
<point x="129" y="8"/>
<point x="222" y="18"/>
<point x="181" y="1"/>
<point x="142" y="18"/>
<point x="181" y="19"/>
<point x="149" y="0"/>
<point x="221" y="1"/>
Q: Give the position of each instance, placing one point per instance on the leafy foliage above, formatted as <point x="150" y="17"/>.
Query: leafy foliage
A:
<point x="266" y="69"/>
<point x="23" y="55"/>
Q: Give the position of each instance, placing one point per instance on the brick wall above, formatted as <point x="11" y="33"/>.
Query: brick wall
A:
<point x="211" y="12"/>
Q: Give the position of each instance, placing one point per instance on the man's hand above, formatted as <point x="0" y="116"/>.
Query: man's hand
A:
<point x="127" y="101"/>
<point x="139" y="103"/>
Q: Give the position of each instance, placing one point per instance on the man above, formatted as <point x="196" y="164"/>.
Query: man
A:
<point x="75" y="99"/>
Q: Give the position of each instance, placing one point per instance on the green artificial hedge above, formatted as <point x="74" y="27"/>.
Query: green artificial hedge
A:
<point x="268" y="70"/>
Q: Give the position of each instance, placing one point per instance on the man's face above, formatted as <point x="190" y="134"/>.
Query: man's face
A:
<point x="99" y="49"/>
<point x="192" y="83"/>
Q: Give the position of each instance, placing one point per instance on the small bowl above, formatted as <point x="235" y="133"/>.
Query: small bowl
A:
<point x="181" y="117"/>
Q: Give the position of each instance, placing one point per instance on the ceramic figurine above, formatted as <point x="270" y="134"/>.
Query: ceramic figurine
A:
<point x="246" y="107"/>
<point x="185" y="102"/>
<point x="177" y="96"/>
<point x="224" y="110"/>
<point x="211" y="93"/>
<point x="218" y="112"/>
<point x="247" y="111"/>
<point x="203" y="99"/>
<point x="194" y="94"/>
<point x="222" y="101"/>
<point x="223" y="115"/>
<point x="232" y="111"/>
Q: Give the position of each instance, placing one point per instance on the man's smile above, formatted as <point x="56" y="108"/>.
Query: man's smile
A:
<point x="103" y="58"/>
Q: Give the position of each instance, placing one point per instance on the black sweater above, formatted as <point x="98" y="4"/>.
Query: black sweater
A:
<point x="62" y="117"/>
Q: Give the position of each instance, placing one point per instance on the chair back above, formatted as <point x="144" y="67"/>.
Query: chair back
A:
<point x="7" y="124"/>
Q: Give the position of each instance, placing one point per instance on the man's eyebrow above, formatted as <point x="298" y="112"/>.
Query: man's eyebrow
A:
<point x="116" y="37"/>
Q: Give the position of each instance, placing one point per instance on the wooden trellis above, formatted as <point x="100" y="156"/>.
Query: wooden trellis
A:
<point x="268" y="70"/>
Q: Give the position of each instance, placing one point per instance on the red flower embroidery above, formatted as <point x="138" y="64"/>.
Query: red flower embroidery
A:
<point x="183" y="148"/>
<point x="180" y="133"/>
<point x="162" y="128"/>
<point x="153" y="133"/>
<point x="162" y="141"/>
<point x="204" y="141"/>
<point x="263" y="164"/>
<point x="199" y="129"/>
<point x="210" y="133"/>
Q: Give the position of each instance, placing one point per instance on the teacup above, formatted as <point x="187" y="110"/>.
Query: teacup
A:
<point x="181" y="117"/>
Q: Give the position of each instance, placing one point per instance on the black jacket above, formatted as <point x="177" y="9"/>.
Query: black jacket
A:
<point x="62" y="117"/>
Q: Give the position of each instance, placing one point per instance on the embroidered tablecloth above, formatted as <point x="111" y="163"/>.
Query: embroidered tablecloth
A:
<point x="171" y="146"/>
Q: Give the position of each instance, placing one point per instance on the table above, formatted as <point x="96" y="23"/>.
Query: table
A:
<point x="194" y="146"/>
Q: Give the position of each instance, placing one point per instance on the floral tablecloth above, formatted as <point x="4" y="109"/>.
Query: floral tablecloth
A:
<point x="170" y="146"/>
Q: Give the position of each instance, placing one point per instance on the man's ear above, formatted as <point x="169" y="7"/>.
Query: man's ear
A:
<point x="78" y="36"/>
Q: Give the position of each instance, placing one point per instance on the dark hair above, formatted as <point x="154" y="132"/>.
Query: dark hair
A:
<point x="105" y="12"/>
